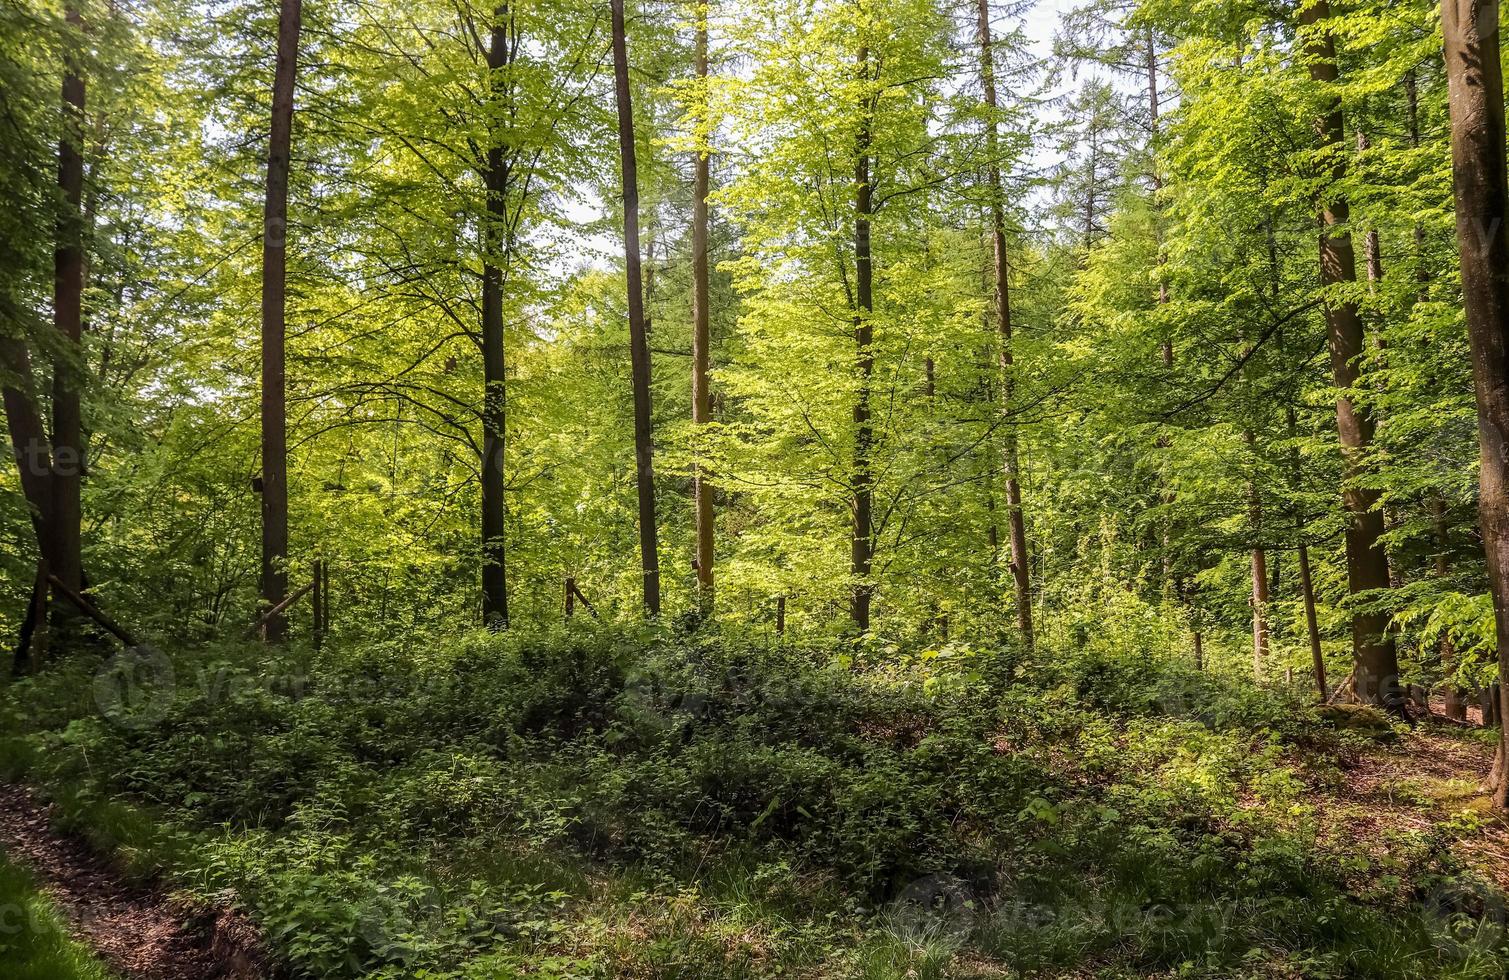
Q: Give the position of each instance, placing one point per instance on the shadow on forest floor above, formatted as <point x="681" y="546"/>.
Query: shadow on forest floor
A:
<point x="598" y="802"/>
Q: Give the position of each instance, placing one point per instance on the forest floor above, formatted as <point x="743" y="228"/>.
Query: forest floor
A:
<point x="137" y="930"/>
<point x="590" y="805"/>
<point x="1429" y="777"/>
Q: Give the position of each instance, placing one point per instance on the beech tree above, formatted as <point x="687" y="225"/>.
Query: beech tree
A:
<point x="1001" y="273"/>
<point x="503" y="45"/>
<point x="1376" y="665"/>
<point x="274" y="479"/>
<point x="639" y="351"/>
<point x="702" y="402"/>
<point x="1475" y="72"/>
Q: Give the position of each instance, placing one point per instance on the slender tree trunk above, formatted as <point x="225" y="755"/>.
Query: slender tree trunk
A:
<point x="1476" y="96"/>
<point x="1259" y="612"/>
<point x="1412" y="119"/>
<point x="639" y="348"/>
<point x="28" y="439"/>
<point x="862" y="549"/>
<point x="1306" y="583"/>
<point x="65" y="520"/>
<point x="274" y="574"/>
<point x="1372" y="248"/>
<point x="702" y="402"/>
<point x="1376" y="674"/>
<point x="1016" y="520"/>
<point x="1199" y="637"/>
<point x="1312" y="628"/>
<point x="1166" y="346"/>
<point x="1154" y="106"/>
<point x="1452" y="694"/>
<point x="1259" y="599"/>
<point x="501" y="47"/>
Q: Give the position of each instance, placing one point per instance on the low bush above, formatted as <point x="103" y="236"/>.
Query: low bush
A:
<point x="733" y="807"/>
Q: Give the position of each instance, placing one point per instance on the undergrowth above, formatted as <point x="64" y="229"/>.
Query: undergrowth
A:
<point x="601" y="802"/>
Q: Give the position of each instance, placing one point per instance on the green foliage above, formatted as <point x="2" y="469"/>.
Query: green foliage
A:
<point x="656" y="804"/>
<point x="700" y="797"/>
<point x="34" y="937"/>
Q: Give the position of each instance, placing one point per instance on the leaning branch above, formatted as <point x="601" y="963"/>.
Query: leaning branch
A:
<point x="87" y="608"/>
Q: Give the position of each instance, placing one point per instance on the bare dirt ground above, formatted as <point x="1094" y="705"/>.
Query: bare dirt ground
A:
<point x="140" y="932"/>
<point x="1432" y="775"/>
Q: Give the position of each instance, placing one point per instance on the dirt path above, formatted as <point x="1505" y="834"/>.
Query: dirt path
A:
<point x="1426" y="777"/>
<point x="137" y="931"/>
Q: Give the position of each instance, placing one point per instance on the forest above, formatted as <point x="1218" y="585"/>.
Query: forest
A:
<point x="802" y="488"/>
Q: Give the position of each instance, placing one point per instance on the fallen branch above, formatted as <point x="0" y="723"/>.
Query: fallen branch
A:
<point x="278" y="610"/>
<point x="1345" y="687"/>
<point x="574" y="592"/>
<point x="87" y="608"/>
<point x="1448" y="720"/>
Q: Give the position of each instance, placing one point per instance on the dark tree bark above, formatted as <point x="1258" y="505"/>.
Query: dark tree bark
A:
<point x="501" y="48"/>
<point x="28" y="439"/>
<point x="1476" y="95"/>
<point x="65" y="520"/>
<point x="1011" y="463"/>
<point x="1312" y="629"/>
<point x="1455" y="699"/>
<point x="274" y="572"/>
<point x="1306" y="583"/>
<point x="862" y="545"/>
<point x="639" y="350"/>
<point x="702" y="402"/>
<point x="1376" y="676"/>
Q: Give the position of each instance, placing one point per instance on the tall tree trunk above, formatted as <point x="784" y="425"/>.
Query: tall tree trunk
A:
<point x="1376" y="674"/>
<point x="862" y="546"/>
<point x="1476" y="94"/>
<point x="65" y="521"/>
<point x="1455" y="699"/>
<point x="1017" y="523"/>
<point x="702" y="401"/>
<point x="1259" y="612"/>
<point x="1312" y="629"/>
<point x="1154" y="107"/>
<point x="1306" y="583"/>
<point x="500" y="51"/>
<point x="28" y="439"/>
<point x="274" y="574"/>
<point x="1412" y="120"/>
<point x="1166" y="345"/>
<point x="1259" y="574"/>
<point x="639" y="348"/>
